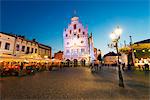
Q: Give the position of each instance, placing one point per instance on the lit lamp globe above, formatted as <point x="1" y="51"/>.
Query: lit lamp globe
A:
<point x="118" y="31"/>
<point x="113" y="36"/>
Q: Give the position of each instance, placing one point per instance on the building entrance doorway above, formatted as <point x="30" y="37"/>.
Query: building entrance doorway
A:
<point x="82" y="62"/>
<point x="67" y="62"/>
<point x="75" y="62"/>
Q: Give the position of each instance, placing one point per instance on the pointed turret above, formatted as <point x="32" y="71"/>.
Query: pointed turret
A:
<point x="74" y="18"/>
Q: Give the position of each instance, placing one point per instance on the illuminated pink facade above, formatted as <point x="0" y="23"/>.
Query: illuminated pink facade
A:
<point x="76" y="41"/>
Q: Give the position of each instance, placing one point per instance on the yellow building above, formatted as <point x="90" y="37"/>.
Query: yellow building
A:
<point x="110" y="58"/>
<point x="59" y="55"/>
<point x="18" y="46"/>
<point x="24" y="46"/>
<point x="141" y="52"/>
<point x="44" y="51"/>
<point x="7" y="43"/>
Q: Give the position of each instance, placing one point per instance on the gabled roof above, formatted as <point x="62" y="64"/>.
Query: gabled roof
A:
<point x="43" y="45"/>
<point x="111" y="54"/>
<point x="60" y="51"/>
<point x="10" y="34"/>
<point x="23" y="37"/>
<point x="19" y="36"/>
<point x="143" y="41"/>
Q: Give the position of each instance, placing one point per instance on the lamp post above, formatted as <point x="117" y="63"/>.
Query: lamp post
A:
<point x="132" y="52"/>
<point x="115" y="36"/>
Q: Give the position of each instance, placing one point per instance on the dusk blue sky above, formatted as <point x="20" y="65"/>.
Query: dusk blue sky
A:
<point x="45" y="20"/>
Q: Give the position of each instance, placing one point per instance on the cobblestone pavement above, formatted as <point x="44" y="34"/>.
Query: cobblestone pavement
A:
<point x="76" y="83"/>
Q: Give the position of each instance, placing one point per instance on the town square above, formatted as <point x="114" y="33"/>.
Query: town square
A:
<point x="75" y="50"/>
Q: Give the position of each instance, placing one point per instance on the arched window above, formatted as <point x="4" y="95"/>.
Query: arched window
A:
<point x="70" y="31"/>
<point x="83" y="33"/>
<point x="67" y="51"/>
<point x="78" y="35"/>
<point x="17" y="47"/>
<point x="74" y="26"/>
<point x="0" y="44"/>
<point x="79" y="30"/>
<point x="82" y="41"/>
<point x="66" y="35"/>
<point x="82" y="50"/>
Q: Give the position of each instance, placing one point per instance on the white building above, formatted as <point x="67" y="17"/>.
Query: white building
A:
<point x="7" y="44"/>
<point x="24" y="46"/>
<point x="77" y="44"/>
<point x="15" y="45"/>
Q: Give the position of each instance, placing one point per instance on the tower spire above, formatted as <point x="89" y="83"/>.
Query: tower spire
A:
<point x="74" y="18"/>
<point x="74" y="12"/>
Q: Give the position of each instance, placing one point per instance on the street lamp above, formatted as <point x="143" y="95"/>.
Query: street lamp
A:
<point x="118" y="31"/>
<point x="115" y="36"/>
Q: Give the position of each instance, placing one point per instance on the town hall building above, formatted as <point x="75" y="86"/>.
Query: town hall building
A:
<point x="78" y="45"/>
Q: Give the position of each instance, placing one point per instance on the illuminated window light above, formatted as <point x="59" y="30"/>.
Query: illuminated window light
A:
<point x="149" y="50"/>
<point x="143" y="50"/>
<point x="45" y="56"/>
<point x="134" y="50"/>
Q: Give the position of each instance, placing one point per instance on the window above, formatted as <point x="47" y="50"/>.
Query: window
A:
<point x="0" y="44"/>
<point x="70" y="31"/>
<point x="45" y="51"/>
<point x="28" y="48"/>
<point x="82" y="41"/>
<point x="74" y="34"/>
<point x="67" y="43"/>
<point x="7" y="46"/>
<point x="79" y="30"/>
<point x="82" y="50"/>
<point x="35" y="50"/>
<point x="83" y="33"/>
<point x="67" y="51"/>
<point x="17" y="47"/>
<point x="66" y="35"/>
<point x="32" y="50"/>
<point x="23" y="48"/>
<point x="78" y="36"/>
<point x="77" y="50"/>
<point x="74" y="26"/>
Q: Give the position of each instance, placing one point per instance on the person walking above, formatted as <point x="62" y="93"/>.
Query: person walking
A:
<point x="123" y="66"/>
<point x="21" y="65"/>
<point x="100" y="65"/>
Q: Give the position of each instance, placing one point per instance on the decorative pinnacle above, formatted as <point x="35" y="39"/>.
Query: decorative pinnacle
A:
<point x="74" y="12"/>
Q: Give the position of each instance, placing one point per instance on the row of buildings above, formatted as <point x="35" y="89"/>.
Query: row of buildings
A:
<point x="135" y="54"/>
<point x="78" y="45"/>
<point x="16" y="45"/>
